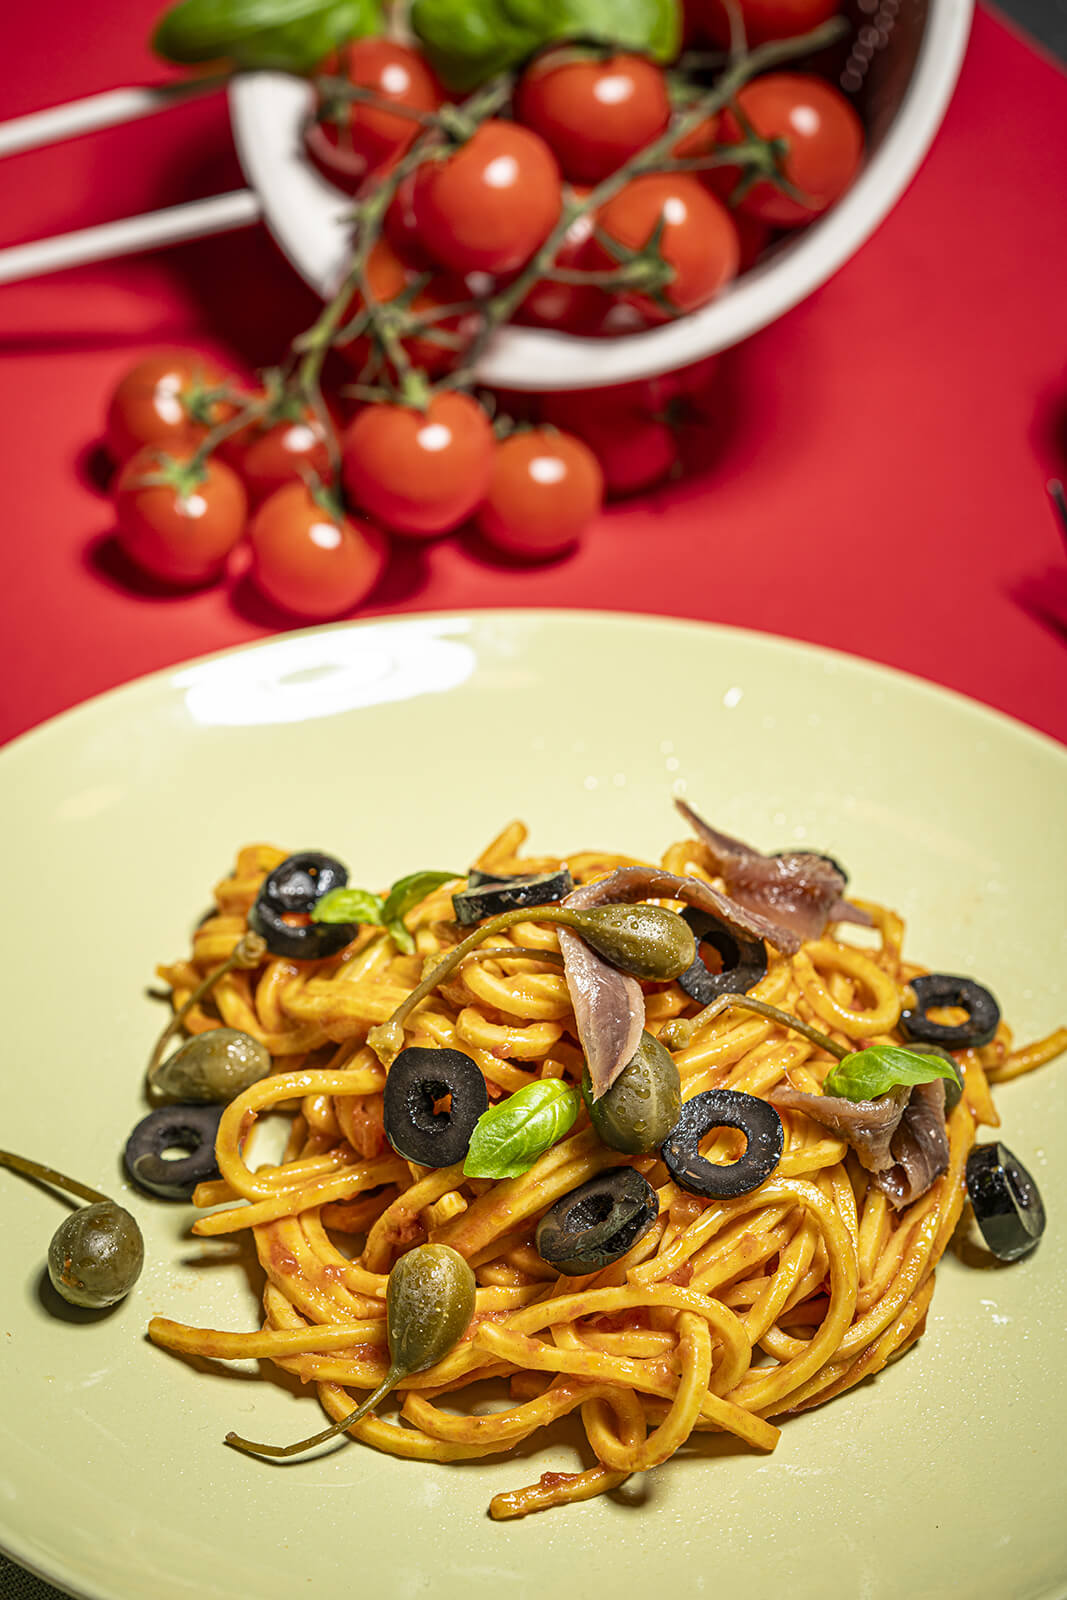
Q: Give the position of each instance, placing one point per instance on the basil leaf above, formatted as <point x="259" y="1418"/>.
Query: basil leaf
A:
<point x="404" y="896"/>
<point x="469" y="41"/>
<point x="278" y="35"/>
<point x="865" y="1074"/>
<point x="348" y="905"/>
<point x="509" y="1137"/>
<point x="651" y="27"/>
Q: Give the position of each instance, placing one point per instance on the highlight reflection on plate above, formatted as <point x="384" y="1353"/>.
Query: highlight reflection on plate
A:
<point x="303" y="677"/>
<point x="409" y="743"/>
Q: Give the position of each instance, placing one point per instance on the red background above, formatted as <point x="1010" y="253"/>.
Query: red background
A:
<point x="876" y="481"/>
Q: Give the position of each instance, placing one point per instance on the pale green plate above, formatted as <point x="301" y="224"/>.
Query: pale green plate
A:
<point x="406" y="744"/>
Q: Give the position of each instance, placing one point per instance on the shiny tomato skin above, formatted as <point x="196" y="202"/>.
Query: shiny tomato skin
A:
<point x="545" y="490"/>
<point x="401" y="228"/>
<point x="419" y="473"/>
<point x="698" y="239"/>
<point x="369" y="137"/>
<point x="825" y="139"/>
<point x="568" y="307"/>
<point x="387" y="278"/>
<point x="491" y="205"/>
<point x="154" y="402"/>
<point x="182" y="538"/>
<point x="311" y="563"/>
<point x="764" y="19"/>
<point x="699" y="141"/>
<point x="593" y="113"/>
<point x="266" y="458"/>
<point x="635" y="450"/>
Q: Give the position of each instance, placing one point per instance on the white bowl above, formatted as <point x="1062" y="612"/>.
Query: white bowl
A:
<point x="912" y="59"/>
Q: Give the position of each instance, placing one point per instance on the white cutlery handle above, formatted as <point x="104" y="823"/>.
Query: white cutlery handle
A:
<point x="194" y="220"/>
<point x="98" y="111"/>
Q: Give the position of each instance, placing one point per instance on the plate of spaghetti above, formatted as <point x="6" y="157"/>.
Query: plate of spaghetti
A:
<point x="633" y="1167"/>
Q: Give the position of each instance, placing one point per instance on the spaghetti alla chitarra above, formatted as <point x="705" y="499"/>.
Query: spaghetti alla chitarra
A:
<point x="722" y="1316"/>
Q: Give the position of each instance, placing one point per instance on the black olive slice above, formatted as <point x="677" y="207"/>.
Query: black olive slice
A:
<point x="954" y="1085"/>
<point x="479" y="880"/>
<point x="744" y="961"/>
<point x="302" y="879"/>
<point x="296" y="885"/>
<point x="488" y="897"/>
<point x="191" y="1128"/>
<point x="1007" y="1203"/>
<point x="598" y="1222"/>
<point x="941" y="989"/>
<point x="723" y="1108"/>
<point x="417" y="1080"/>
<point x="308" y="941"/>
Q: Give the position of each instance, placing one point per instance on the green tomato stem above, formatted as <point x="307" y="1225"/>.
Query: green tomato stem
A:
<point x="251" y="1448"/>
<point x="502" y="307"/>
<point x="34" y="1169"/>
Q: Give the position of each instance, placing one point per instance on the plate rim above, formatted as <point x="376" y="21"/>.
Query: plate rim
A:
<point x="58" y="1573"/>
<point x="579" y="614"/>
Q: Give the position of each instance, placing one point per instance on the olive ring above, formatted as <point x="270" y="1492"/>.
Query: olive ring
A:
<point x="191" y="1128"/>
<point x="744" y="961"/>
<point x="598" y="1222"/>
<point x="295" y="886"/>
<point x="723" y="1108"/>
<point x="488" y="896"/>
<point x="934" y="989"/>
<point x="1007" y="1203"/>
<point x="418" y="1079"/>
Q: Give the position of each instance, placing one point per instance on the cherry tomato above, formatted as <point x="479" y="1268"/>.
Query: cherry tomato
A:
<point x="491" y="206"/>
<point x="178" y="525"/>
<point x="753" y="235"/>
<point x="699" y="141"/>
<point x="545" y="490"/>
<point x="635" y="451"/>
<point x="387" y="278"/>
<point x="594" y="113"/>
<point x="825" y="145"/>
<point x="417" y="472"/>
<point x="165" y="400"/>
<point x="651" y="397"/>
<point x="310" y="561"/>
<point x="284" y="450"/>
<point x="401" y="228"/>
<point x="356" y="137"/>
<point x="697" y="239"/>
<point x="571" y="307"/>
<point x="764" y="19"/>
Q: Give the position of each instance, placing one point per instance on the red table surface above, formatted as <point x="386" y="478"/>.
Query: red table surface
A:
<point x="876" y="480"/>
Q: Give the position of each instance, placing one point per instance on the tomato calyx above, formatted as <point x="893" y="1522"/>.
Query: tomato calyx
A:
<point x="762" y="159"/>
<point x="184" y="475"/>
<point x="642" y="270"/>
<point x="327" y="496"/>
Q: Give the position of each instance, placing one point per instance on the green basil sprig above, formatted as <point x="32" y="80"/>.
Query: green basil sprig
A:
<point x="509" y="1137"/>
<point x="403" y="897"/>
<point x="361" y="905"/>
<point x="349" y="905"/>
<point x="469" y="41"/>
<point x="865" y="1074"/>
<point x="278" y="35"/>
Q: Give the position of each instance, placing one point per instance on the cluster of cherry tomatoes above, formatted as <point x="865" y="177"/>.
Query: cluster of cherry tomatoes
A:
<point x="317" y="485"/>
<point x="577" y="118"/>
<point x="317" y="551"/>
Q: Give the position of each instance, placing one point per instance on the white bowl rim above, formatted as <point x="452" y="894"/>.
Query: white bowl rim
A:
<point x="308" y="218"/>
